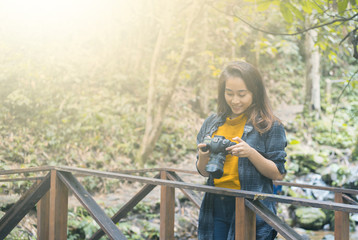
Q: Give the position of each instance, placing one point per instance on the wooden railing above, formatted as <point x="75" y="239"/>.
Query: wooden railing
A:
<point x="50" y="193"/>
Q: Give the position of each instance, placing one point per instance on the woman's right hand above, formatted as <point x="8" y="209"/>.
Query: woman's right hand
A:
<point x="203" y="159"/>
<point x="200" y="150"/>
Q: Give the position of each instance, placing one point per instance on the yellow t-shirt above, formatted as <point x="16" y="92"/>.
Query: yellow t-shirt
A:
<point x="231" y="128"/>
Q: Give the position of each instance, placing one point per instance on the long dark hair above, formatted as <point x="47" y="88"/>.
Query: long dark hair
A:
<point x="260" y="112"/>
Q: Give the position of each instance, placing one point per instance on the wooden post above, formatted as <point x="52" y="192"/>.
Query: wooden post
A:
<point x="341" y="221"/>
<point x="167" y="208"/>
<point x="245" y="221"/>
<point x="58" y="208"/>
<point x="43" y="208"/>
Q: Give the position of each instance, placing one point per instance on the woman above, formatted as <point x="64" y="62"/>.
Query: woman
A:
<point x="244" y="116"/>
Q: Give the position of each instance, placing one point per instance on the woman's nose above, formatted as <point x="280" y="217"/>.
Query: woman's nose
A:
<point x="235" y="99"/>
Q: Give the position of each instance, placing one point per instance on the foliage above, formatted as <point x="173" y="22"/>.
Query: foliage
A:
<point x="355" y="151"/>
<point x="328" y="15"/>
<point x="20" y="234"/>
<point x="341" y="176"/>
<point x="136" y="226"/>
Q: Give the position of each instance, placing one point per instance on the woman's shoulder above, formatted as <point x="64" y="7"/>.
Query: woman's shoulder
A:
<point x="211" y="121"/>
<point x="277" y="128"/>
<point x="277" y="124"/>
<point x="212" y="118"/>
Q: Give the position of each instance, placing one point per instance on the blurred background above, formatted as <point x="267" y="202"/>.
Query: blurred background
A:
<point x="115" y="84"/>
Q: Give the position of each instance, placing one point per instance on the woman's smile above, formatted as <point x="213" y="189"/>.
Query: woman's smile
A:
<point x="237" y="97"/>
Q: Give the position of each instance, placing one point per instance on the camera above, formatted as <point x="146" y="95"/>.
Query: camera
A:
<point x="217" y="146"/>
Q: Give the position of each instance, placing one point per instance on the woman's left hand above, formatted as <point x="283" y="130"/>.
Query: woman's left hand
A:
<point x="242" y="149"/>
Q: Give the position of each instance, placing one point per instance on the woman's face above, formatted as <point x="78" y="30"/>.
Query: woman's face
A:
<point x="237" y="96"/>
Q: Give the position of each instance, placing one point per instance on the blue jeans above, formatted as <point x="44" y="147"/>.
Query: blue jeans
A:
<point x="224" y="210"/>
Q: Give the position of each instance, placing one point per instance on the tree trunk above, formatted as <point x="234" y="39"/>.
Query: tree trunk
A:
<point x="313" y="97"/>
<point x="202" y="87"/>
<point x="156" y="110"/>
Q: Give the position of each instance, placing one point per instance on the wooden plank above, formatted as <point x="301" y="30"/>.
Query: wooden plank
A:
<point x="127" y="207"/>
<point x="28" y="201"/>
<point x="349" y="200"/>
<point x="26" y="170"/>
<point x="341" y="221"/>
<point x="43" y="207"/>
<point x="324" y="188"/>
<point x="187" y="192"/>
<point x="158" y="170"/>
<point x="217" y="190"/>
<point x="58" y="208"/>
<point x="72" y="169"/>
<point x="167" y="208"/>
<point x="273" y="220"/>
<point x="21" y="179"/>
<point x="245" y="221"/>
<point x="92" y="207"/>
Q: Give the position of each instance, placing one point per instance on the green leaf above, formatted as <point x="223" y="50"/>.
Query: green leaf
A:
<point x="314" y="5"/>
<point x="294" y="142"/>
<point x="322" y="45"/>
<point x="332" y="56"/>
<point x="342" y="6"/>
<point x="286" y="13"/>
<point x="295" y="10"/>
<point x="263" y="6"/>
<point x="306" y="7"/>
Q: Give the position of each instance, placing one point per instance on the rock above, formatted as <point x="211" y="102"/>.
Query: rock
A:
<point x="310" y="218"/>
<point x="315" y="180"/>
<point x="328" y="237"/>
<point x="354" y="217"/>
<point x="341" y="176"/>
<point x="305" y="161"/>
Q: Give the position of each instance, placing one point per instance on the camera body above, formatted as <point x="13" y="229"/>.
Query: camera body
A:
<point x="217" y="146"/>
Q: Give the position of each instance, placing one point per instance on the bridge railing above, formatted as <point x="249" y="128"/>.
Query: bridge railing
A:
<point x="50" y="193"/>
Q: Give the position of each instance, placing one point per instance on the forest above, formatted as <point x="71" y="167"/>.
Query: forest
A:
<point x="116" y="85"/>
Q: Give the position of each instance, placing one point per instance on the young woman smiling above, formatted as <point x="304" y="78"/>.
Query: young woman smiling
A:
<point x="244" y="116"/>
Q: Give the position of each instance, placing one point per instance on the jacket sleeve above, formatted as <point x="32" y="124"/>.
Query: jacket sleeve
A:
<point x="204" y="130"/>
<point x="275" y="146"/>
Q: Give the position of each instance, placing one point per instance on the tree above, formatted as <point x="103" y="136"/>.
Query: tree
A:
<point x="312" y="56"/>
<point x="333" y="19"/>
<point x="157" y="103"/>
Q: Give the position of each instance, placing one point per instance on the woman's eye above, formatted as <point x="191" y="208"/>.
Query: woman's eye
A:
<point x="242" y="95"/>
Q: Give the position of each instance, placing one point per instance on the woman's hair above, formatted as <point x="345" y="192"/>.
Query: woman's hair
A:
<point x="260" y="112"/>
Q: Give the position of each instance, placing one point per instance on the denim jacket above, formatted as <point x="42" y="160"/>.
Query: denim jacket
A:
<point x="271" y="145"/>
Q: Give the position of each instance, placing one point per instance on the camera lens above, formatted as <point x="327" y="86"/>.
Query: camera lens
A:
<point x="216" y="165"/>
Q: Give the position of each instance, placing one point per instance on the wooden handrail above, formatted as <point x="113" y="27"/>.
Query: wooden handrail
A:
<point x="73" y="169"/>
<point x="323" y="188"/>
<point x="246" y="202"/>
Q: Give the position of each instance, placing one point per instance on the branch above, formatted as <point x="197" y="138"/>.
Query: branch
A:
<point x="348" y="34"/>
<point x="285" y="34"/>
<point x="340" y="95"/>
<point x="299" y="32"/>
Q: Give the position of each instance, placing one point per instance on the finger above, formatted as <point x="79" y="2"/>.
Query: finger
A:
<point x="230" y="148"/>
<point x="201" y="145"/>
<point x="235" y="152"/>
<point x="238" y="139"/>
